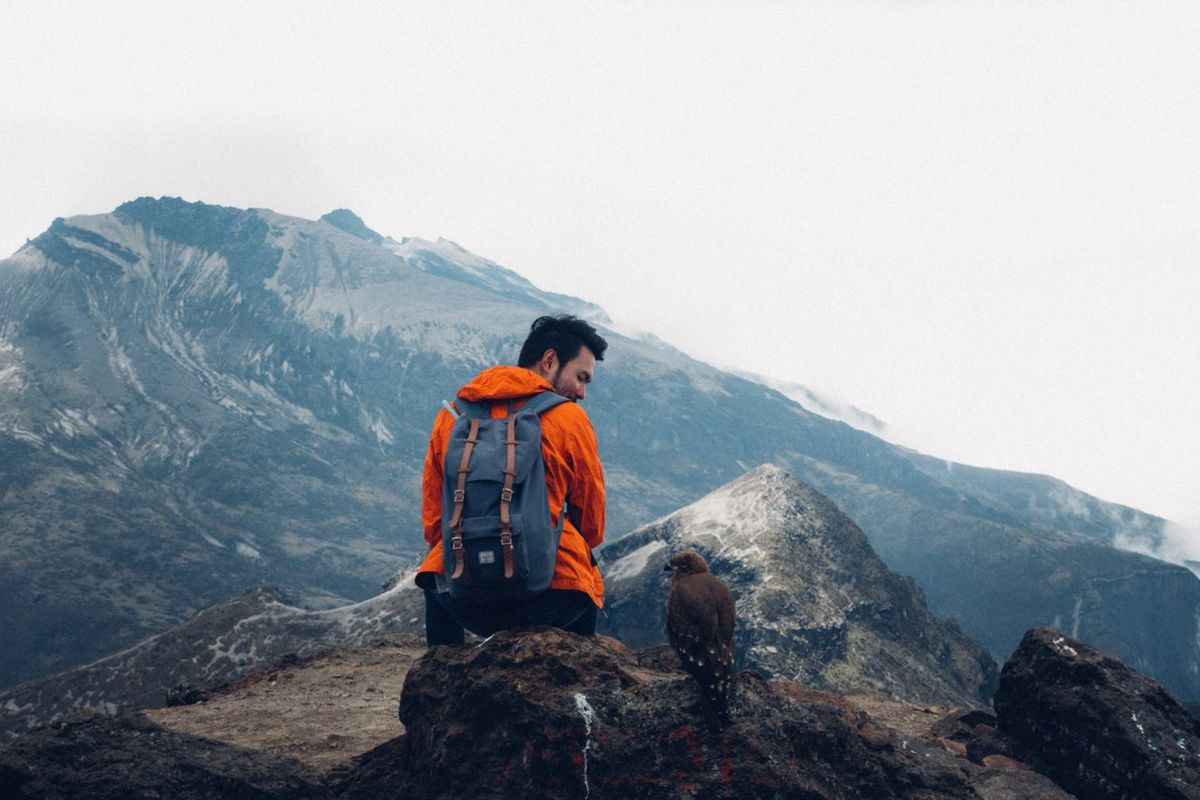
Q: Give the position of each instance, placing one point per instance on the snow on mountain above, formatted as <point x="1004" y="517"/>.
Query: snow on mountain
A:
<point x="815" y="604"/>
<point x="447" y="259"/>
<point x="821" y="403"/>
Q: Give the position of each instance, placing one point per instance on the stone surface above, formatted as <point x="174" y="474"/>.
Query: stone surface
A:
<point x="1097" y="727"/>
<point x="548" y="714"/>
<point x="961" y="725"/>
<point x="537" y="713"/>
<point x="116" y="758"/>
<point x="1006" y="784"/>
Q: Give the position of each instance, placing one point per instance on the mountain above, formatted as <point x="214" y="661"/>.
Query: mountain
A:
<point x="815" y="604"/>
<point x="196" y="400"/>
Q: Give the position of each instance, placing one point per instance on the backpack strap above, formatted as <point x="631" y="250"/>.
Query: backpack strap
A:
<point x="460" y="499"/>
<point x="506" y="496"/>
<point x="542" y="402"/>
<point x="539" y="404"/>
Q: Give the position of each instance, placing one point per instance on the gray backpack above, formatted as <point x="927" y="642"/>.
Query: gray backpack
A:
<point x="498" y="539"/>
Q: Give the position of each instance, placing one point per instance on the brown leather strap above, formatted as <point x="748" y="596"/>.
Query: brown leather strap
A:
<point x="460" y="499"/>
<point x="506" y="495"/>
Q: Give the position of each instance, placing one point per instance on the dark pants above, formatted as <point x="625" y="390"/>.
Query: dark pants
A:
<point x="445" y="618"/>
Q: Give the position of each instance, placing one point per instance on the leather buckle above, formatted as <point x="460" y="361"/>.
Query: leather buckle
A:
<point x="460" y="495"/>
<point x="506" y="495"/>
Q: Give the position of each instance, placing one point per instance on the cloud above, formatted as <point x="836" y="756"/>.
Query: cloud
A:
<point x="1179" y="543"/>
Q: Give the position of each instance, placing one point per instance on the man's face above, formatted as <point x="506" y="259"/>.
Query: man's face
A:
<point x="572" y="378"/>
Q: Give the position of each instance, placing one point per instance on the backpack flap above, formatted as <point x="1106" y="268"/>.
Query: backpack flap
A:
<point x="489" y="458"/>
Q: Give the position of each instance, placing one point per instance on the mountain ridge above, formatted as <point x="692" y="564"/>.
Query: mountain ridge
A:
<point x="196" y="400"/>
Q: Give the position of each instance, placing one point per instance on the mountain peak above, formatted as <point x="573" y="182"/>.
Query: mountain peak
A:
<point x="141" y="204"/>
<point x="814" y="601"/>
<point x="351" y="223"/>
<point x="754" y="515"/>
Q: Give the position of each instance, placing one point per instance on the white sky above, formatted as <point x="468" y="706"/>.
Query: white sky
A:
<point x="979" y="221"/>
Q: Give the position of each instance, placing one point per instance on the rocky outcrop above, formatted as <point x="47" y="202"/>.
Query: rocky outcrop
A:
<point x="545" y="713"/>
<point x="815" y="604"/>
<point x="115" y="758"/>
<point x="1100" y="729"/>
<point x="550" y="714"/>
<point x="540" y="713"/>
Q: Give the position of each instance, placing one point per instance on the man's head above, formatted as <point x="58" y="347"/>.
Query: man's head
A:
<point x="563" y="350"/>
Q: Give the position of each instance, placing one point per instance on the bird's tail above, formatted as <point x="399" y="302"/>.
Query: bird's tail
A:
<point x="717" y="698"/>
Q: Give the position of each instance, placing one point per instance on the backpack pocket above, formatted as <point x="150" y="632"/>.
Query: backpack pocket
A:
<point x="484" y="555"/>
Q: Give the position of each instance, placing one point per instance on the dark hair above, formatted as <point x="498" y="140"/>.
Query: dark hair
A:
<point x="565" y="335"/>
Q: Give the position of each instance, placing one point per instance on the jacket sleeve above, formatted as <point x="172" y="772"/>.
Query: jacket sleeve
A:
<point x="586" y="495"/>
<point x="431" y="479"/>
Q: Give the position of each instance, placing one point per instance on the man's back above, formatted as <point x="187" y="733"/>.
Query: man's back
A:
<point x="559" y="356"/>
<point x="574" y="475"/>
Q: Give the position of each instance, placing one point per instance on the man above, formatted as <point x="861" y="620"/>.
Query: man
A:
<point x="559" y="355"/>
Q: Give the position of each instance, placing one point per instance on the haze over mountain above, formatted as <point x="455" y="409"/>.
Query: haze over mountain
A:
<point x="196" y="400"/>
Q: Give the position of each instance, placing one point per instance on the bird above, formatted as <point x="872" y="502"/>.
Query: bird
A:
<point x="700" y="621"/>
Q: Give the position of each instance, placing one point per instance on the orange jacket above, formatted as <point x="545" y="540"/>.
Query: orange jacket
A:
<point x="573" y="473"/>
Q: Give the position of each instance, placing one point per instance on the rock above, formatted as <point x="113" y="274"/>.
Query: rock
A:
<point x="997" y="761"/>
<point x="953" y="748"/>
<point x="186" y="695"/>
<point x="984" y="745"/>
<point x="545" y="713"/>
<point x="962" y="725"/>
<point x="1006" y="784"/>
<point x="114" y="758"/>
<point x="1098" y="728"/>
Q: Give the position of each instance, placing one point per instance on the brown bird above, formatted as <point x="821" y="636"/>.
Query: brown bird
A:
<point x="700" y="614"/>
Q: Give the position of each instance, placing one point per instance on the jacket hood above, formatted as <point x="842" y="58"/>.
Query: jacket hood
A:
<point x="503" y="383"/>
